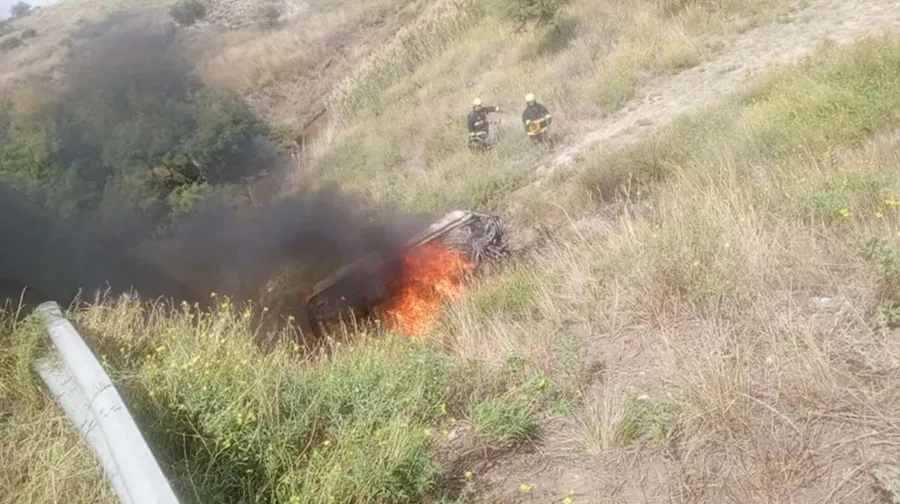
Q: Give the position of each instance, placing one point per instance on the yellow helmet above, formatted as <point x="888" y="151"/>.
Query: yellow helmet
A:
<point x="476" y="102"/>
<point x="529" y="98"/>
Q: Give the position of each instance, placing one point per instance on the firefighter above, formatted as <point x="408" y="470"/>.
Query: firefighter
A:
<point x="477" y="123"/>
<point x="536" y="119"/>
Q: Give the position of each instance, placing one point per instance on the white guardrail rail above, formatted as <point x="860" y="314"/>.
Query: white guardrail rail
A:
<point x="94" y="407"/>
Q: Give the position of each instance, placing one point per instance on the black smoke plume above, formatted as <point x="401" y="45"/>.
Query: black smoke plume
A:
<point x="231" y="251"/>
<point x="219" y="247"/>
<point x="47" y="259"/>
<point x="235" y="250"/>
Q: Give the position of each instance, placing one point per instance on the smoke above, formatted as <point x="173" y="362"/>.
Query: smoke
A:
<point x="217" y="249"/>
<point x="234" y="251"/>
<point x="55" y="260"/>
<point x="128" y="63"/>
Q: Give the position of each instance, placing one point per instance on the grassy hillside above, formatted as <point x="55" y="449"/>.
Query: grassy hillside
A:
<point x="711" y="321"/>
<point x="283" y="55"/>
<point x="409" y="106"/>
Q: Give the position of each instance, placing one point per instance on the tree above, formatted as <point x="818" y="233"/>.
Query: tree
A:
<point x="20" y="9"/>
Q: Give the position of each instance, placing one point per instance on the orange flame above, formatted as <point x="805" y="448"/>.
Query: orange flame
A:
<point x="429" y="274"/>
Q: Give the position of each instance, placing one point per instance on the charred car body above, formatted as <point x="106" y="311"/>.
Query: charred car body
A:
<point x="339" y="299"/>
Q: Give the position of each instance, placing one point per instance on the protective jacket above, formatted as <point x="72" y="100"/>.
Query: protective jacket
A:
<point x="477" y="121"/>
<point x="536" y="118"/>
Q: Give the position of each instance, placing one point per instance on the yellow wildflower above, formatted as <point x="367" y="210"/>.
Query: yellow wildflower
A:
<point x="844" y="212"/>
<point x="444" y="409"/>
<point x="468" y="475"/>
<point x="879" y="215"/>
<point x="524" y="488"/>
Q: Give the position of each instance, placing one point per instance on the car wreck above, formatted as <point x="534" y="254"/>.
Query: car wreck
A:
<point x="361" y="292"/>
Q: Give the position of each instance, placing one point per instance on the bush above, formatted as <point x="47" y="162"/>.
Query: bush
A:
<point x="188" y="12"/>
<point x="29" y="33"/>
<point x="130" y="128"/>
<point x="20" y="9"/>
<point x="268" y="15"/>
<point x="539" y="12"/>
<point x="10" y="43"/>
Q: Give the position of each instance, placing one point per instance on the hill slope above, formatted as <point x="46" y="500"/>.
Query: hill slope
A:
<point x="708" y="317"/>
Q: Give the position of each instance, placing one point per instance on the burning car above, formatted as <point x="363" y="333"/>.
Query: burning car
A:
<point x="430" y="268"/>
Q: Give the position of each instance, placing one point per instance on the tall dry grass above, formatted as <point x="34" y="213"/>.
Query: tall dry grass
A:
<point x="401" y="114"/>
<point x="722" y="321"/>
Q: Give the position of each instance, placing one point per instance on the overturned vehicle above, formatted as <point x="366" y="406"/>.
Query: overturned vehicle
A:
<point x="403" y="291"/>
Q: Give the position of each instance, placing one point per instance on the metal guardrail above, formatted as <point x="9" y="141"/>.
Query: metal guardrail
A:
<point x="96" y="409"/>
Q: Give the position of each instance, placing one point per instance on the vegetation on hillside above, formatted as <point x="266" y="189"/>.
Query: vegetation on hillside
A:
<point x="727" y="326"/>
<point x="582" y="69"/>
<point x="233" y="424"/>
<point x="130" y="138"/>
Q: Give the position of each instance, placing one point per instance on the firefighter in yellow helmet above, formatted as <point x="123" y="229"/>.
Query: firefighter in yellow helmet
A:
<point x="536" y="119"/>
<point x="477" y="123"/>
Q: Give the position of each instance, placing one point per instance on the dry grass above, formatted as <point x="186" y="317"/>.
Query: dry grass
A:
<point x="700" y="290"/>
<point x="421" y="85"/>
<point x="705" y="300"/>
<point x="55" y="27"/>
<point x="287" y="71"/>
<point x="677" y="326"/>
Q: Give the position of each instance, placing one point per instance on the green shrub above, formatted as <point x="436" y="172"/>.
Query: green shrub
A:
<point x="10" y="43"/>
<point x="268" y="15"/>
<point x="539" y="12"/>
<point x="188" y="12"/>
<point x="506" y="420"/>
